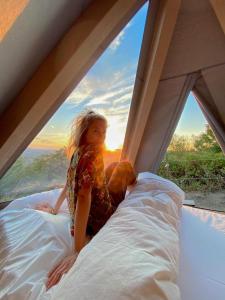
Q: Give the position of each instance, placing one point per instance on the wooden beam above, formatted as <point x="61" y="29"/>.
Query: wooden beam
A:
<point x="60" y="73"/>
<point x="219" y="9"/>
<point x="9" y="12"/>
<point x="164" y="20"/>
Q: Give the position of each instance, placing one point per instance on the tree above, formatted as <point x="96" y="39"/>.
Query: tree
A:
<point x="180" y="144"/>
<point x="207" y="141"/>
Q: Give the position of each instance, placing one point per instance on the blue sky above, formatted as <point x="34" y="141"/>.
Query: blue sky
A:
<point x="107" y="88"/>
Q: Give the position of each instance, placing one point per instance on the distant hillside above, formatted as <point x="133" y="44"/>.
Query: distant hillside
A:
<point x="39" y="170"/>
<point x="32" y="153"/>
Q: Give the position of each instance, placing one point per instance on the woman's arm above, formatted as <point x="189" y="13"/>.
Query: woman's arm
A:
<point x="60" y="200"/>
<point x="81" y="218"/>
<point x="46" y="207"/>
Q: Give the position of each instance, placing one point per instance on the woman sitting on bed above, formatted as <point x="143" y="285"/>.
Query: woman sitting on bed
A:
<point x="93" y="193"/>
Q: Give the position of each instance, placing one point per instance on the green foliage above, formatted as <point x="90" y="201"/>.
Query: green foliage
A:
<point x="194" y="171"/>
<point x="195" y="163"/>
<point x="207" y="142"/>
<point x="46" y="171"/>
<point x="48" y="167"/>
<point x="180" y="144"/>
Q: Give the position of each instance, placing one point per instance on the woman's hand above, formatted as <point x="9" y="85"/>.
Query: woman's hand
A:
<point x="55" y="275"/>
<point x="45" y="207"/>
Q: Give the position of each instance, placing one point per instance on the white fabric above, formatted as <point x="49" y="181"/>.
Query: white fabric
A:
<point x="152" y="181"/>
<point x="202" y="255"/>
<point x="33" y="242"/>
<point x="135" y="255"/>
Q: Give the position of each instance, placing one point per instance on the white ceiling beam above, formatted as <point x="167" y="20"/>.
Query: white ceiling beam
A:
<point x="163" y="24"/>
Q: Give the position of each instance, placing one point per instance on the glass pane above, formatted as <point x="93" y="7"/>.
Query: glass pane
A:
<point x="107" y="88"/>
<point x="195" y="161"/>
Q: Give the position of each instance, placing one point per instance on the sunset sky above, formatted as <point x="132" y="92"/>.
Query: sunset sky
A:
<point x="107" y="88"/>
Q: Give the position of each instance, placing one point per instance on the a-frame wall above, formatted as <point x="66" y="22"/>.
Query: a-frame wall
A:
<point x="168" y="70"/>
<point x="60" y="73"/>
<point x="195" y="62"/>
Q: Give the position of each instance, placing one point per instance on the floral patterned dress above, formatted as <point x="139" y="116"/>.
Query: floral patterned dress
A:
<point x="87" y="169"/>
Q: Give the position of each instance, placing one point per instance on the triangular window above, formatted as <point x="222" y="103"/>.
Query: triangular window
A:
<point x="194" y="159"/>
<point x="106" y="88"/>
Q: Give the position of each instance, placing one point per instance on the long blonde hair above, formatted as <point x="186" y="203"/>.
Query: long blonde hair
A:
<point x="79" y="128"/>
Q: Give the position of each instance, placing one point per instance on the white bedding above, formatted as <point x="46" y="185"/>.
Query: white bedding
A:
<point x="134" y="256"/>
<point x="32" y="242"/>
<point x="202" y="255"/>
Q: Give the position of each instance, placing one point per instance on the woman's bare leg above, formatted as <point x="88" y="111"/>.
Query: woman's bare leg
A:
<point x="109" y="170"/>
<point x="122" y="175"/>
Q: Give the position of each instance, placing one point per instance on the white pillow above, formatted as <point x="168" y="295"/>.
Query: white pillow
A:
<point x="148" y="181"/>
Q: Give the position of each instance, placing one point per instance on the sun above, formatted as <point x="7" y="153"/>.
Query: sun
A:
<point x="111" y="147"/>
<point x="115" y="135"/>
<point x="113" y="142"/>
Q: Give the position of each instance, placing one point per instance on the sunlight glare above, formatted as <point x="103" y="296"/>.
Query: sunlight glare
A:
<point x="115" y="134"/>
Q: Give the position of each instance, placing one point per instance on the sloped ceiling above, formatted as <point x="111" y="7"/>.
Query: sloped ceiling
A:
<point x="183" y="46"/>
<point x="30" y="39"/>
<point x="44" y="55"/>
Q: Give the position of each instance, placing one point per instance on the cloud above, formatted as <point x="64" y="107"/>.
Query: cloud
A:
<point x="119" y="38"/>
<point x="120" y="113"/>
<point x="126" y="97"/>
<point x="117" y="41"/>
<point x="100" y="90"/>
<point x="112" y="96"/>
<point x="84" y="90"/>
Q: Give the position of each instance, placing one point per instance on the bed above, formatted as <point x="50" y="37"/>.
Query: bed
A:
<point x="202" y="255"/>
<point x="151" y="248"/>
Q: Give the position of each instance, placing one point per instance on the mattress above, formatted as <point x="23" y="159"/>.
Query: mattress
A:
<point x="202" y="255"/>
<point x="32" y="242"/>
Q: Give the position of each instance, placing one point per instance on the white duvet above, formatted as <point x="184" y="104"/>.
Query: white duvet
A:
<point x="32" y="242"/>
<point x="134" y="256"/>
<point x="202" y="255"/>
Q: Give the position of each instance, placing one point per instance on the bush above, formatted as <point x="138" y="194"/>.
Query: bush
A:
<point x="207" y="142"/>
<point x="195" y="163"/>
<point x="194" y="171"/>
<point x="43" y="173"/>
